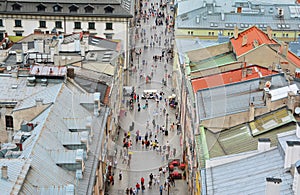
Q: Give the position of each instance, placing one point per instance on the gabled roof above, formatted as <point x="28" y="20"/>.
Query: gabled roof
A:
<point x="229" y="77"/>
<point x="253" y="33"/>
<point x="256" y="36"/>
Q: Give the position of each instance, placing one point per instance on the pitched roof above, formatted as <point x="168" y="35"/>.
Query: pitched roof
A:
<point x="253" y="33"/>
<point x="230" y="77"/>
<point x="249" y="175"/>
<point x="233" y="98"/>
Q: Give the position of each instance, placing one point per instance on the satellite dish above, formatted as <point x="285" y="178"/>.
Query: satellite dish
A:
<point x="297" y="110"/>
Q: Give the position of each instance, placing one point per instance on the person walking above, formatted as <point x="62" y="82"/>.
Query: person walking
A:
<point x="142" y="181"/>
<point x="138" y="187"/>
<point x="161" y="188"/>
<point x="120" y="175"/>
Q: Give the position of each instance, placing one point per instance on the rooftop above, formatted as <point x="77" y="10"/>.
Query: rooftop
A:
<point x="252" y="34"/>
<point x="252" y="170"/>
<point x="233" y="98"/>
<point x="245" y="136"/>
<point x="225" y="15"/>
<point x="230" y="77"/>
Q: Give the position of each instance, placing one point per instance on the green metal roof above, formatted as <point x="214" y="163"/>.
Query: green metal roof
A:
<point x="213" y="62"/>
<point x="239" y="139"/>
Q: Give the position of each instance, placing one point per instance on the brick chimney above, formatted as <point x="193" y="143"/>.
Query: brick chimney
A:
<point x="251" y="111"/>
<point x="263" y="144"/>
<point x="273" y="186"/>
<point x="292" y="153"/>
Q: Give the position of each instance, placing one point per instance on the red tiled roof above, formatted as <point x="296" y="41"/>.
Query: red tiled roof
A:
<point x="233" y="76"/>
<point x="295" y="59"/>
<point x="253" y="33"/>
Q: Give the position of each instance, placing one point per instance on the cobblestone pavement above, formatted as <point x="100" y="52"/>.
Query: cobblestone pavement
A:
<point x="146" y="161"/>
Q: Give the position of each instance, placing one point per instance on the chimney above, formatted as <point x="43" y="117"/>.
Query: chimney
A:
<point x="267" y="98"/>
<point x="269" y="33"/>
<point x="263" y="144"/>
<point x="298" y="130"/>
<point x="25" y="47"/>
<point x="97" y="103"/>
<point x="296" y="181"/>
<point x="4" y="172"/>
<point x="284" y="49"/>
<point x="273" y="186"/>
<point x="291" y="101"/>
<point x="244" y="73"/>
<point x="70" y="73"/>
<point x="292" y="153"/>
<point x="245" y="40"/>
<point x="251" y="111"/>
<point x="82" y="49"/>
<point x="85" y="39"/>
<point x="236" y="32"/>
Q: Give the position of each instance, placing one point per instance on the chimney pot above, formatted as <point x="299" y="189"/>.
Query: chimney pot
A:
<point x="236" y="32"/>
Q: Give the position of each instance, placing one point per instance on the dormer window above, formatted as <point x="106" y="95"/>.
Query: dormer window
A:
<point x="108" y="9"/>
<point x="89" y="9"/>
<point x="41" y="7"/>
<point x="73" y="8"/>
<point x="16" y="7"/>
<point x="57" y="8"/>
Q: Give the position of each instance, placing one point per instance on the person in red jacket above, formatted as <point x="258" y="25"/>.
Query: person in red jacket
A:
<point x="138" y="187"/>
<point x="142" y="181"/>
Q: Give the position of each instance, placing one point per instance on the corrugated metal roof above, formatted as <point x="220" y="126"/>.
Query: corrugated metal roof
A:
<point x="282" y="92"/>
<point x="233" y="98"/>
<point x="48" y="95"/>
<point x="226" y="142"/>
<point x="14" y="169"/>
<point x="249" y="175"/>
<point x="48" y="70"/>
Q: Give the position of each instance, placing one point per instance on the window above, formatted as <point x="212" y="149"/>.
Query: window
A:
<point x="189" y="32"/>
<point x="209" y="33"/>
<point x="192" y="32"/>
<point x="1" y="23"/>
<point x="42" y="24"/>
<point x="231" y="34"/>
<point x="228" y="34"/>
<point x="108" y="35"/>
<point x="18" y="23"/>
<point x="274" y="34"/>
<point x="108" y="9"/>
<point x="92" y="25"/>
<point x="58" y="24"/>
<point x="109" y="26"/>
<point x="287" y="35"/>
<point x="16" y="7"/>
<point x="73" y="8"/>
<point x="212" y="33"/>
<point x="19" y="33"/>
<point x="41" y="7"/>
<point x="57" y="8"/>
<point x="89" y="9"/>
<point x="77" y="25"/>
<point x="9" y="123"/>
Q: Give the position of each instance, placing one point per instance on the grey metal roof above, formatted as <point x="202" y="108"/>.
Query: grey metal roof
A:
<point x="47" y="95"/>
<point x="248" y="176"/>
<point x="30" y="7"/>
<point x="262" y="15"/>
<point x="233" y="98"/>
<point x="22" y="91"/>
<point x="295" y="47"/>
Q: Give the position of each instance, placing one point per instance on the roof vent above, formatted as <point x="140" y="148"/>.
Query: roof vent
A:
<point x="31" y="81"/>
<point x="273" y="186"/>
<point x="245" y="40"/>
<point x="255" y="43"/>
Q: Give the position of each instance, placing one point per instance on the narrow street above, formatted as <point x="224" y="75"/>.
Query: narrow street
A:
<point x="151" y="70"/>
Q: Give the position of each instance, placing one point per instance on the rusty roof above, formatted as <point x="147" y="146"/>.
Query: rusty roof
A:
<point x="37" y="70"/>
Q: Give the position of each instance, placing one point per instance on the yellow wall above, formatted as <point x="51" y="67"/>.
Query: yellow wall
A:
<point x="213" y="34"/>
